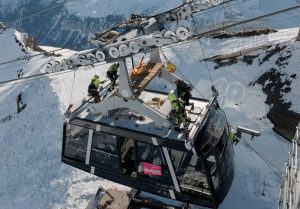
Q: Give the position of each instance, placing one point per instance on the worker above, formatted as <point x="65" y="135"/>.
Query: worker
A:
<point x="129" y="162"/>
<point x="177" y="115"/>
<point x="112" y="74"/>
<point x="93" y="88"/>
<point x="20" y="73"/>
<point x="184" y="92"/>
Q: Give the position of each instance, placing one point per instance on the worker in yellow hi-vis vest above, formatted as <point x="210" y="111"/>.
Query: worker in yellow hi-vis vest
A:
<point x="93" y="88"/>
<point x="177" y="115"/>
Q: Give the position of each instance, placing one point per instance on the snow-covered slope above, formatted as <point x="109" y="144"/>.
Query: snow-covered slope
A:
<point x="32" y="176"/>
<point x="72" y="23"/>
<point x="255" y="184"/>
<point x="12" y="48"/>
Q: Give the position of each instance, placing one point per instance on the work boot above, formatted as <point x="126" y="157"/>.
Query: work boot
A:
<point x="177" y="128"/>
<point x="192" y="107"/>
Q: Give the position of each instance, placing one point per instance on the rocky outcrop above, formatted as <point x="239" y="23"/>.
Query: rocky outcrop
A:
<point x="275" y="83"/>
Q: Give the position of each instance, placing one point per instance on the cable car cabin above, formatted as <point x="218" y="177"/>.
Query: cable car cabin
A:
<point x="131" y="149"/>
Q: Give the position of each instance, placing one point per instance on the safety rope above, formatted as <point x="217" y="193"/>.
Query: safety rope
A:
<point x="207" y="68"/>
<point x="193" y="86"/>
<point x="275" y="169"/>
<point x="204" y="57"/>
<point x="182" y="76"/>
<point x="70" y="105"/>
<point x="214" y="90"/>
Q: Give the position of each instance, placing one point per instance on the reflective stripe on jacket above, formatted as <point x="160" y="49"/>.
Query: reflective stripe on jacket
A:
<point x="96" y="82"/>
<point x="176" y="104"/>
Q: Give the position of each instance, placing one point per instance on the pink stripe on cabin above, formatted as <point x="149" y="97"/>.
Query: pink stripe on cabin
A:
<point x="151" y="169"/>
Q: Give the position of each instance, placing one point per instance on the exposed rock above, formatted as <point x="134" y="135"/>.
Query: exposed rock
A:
<point x="225" y="34"/>
<point x="275" y="84"/>
<point x="271" y="52"/>
<point x="31" y="42"/>
<point x="248" y="59"/>
<point x="223" y="63"/>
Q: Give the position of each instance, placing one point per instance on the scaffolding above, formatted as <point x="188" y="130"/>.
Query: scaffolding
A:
<point x="290" y="188"/>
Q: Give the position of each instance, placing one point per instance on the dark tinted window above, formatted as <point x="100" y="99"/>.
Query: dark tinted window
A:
<point x="220" y="148"/>
<point x="105" y="142"/>
<point x="76" y="142"/>
<point x="212" y="131"/>
<point x="151" y="163"/>
<point x="104" y="152"/>
<point x="191" y="173"/>
<point x="176" y="157"/>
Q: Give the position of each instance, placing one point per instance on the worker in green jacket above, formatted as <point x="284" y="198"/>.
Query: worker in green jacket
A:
<point x="112" y="74"/>
<point x="177" y="115"/>
<point x="184" y="92"/>
<point x="93" y="88"/>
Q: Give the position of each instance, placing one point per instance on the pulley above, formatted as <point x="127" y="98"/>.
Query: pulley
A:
<point x="100" y="56"/>
<point x="114" y="52"/>
<point x="91" y="56"/>
<point x="182" y="33"/>
<point x="123" y="50"/>
<point x="134" y="47"/>
<point x="170" y="34"/>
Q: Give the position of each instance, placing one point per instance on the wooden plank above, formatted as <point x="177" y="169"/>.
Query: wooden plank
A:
<point x="121" y="199"/>
<point x="140" y="82"/>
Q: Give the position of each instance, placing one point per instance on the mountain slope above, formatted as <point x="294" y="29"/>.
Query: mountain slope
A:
<point x="32" y="175"/>
<point x="255" y="184"/>
<point x="67" y="25"/>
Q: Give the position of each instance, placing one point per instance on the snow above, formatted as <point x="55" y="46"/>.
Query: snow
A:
<point x="215" y="47"/>
<point x="244" y="106"/>
<point x="32" y="175"/>
<point x="7" y="40"/>
<point x="100" y="8"/>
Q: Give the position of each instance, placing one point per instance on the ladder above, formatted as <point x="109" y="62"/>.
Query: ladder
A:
<point x="141" y="81"/>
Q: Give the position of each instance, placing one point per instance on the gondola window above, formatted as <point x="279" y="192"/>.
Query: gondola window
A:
<point x="191" y="173"/>
<point x="104" y="151"/>
<point x="76" y="142"/>
<point x="151" y="163"/>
